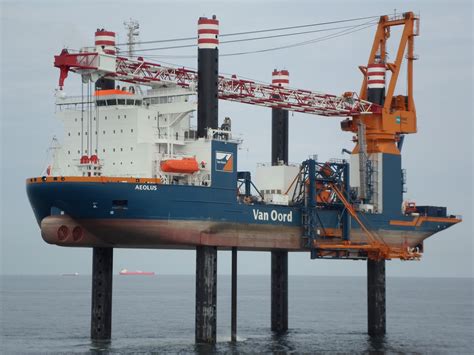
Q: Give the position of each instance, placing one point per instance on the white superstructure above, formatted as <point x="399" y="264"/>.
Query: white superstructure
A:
<point x="277" y="183"/>
<point x="129" y="132"/>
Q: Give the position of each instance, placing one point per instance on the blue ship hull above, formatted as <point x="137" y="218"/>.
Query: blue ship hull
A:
<point x="144" y="215"/>
<point x="186" y="216"/>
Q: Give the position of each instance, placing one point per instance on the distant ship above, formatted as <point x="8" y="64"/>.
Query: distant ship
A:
<point x="71" y="274"/>
<point x="136" y="273"/>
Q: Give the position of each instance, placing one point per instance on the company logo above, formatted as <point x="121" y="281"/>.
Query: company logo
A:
<point x="224" y="162"/>
<point x="274" y="216"/>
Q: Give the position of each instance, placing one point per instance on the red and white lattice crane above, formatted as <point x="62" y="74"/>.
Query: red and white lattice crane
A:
<point x="232" y="88"/>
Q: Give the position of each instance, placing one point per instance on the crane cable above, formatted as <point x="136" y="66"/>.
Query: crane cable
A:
<point x="252" y="38"/>
<point x="345" y="32"/>
<point x="255" y="31"/>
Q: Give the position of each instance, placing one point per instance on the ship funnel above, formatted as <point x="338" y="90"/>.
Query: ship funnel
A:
<point x="280" y="78"/>
<point x="208" y="69"/>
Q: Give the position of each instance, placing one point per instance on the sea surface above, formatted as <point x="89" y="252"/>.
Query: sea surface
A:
<point x="155" y="314"/>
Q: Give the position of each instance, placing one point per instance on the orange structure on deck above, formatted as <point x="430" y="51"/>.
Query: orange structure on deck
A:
<point x="398" y="116"/>
<point x="184" y="166"/>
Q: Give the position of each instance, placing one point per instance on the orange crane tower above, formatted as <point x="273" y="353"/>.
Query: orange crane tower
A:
<point x="398" y="114"/>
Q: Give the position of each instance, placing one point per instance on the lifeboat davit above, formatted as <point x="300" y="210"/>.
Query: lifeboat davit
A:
<point x="183" y="166"/>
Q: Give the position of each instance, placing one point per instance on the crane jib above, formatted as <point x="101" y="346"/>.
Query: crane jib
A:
<point x="229" y="88"/>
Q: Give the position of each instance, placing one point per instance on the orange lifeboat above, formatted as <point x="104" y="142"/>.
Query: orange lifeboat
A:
<point x="184" y="166"/>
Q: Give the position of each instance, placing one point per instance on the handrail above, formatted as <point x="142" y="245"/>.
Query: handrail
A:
<point x="377" y="248"/>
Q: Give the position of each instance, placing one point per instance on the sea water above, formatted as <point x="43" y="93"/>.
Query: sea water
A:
<point x="156" y="314"/>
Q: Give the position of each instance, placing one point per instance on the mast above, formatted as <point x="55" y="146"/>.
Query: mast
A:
<point x="132" y="26"/>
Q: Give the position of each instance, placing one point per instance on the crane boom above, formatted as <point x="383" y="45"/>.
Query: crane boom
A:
<point x="231" y="88"/>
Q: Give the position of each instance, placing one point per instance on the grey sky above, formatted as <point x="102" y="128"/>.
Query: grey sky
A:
<point x="438" y="158"/>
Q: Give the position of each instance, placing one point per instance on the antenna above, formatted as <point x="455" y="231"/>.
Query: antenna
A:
<point x="132" y="26"/>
